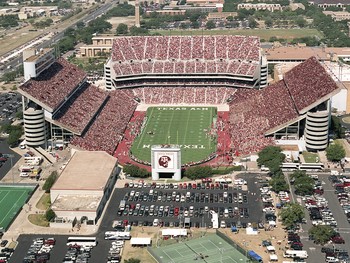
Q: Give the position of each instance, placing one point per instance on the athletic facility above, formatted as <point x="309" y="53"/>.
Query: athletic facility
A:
<point x="12" y="198"/>
<point x="189" y="127"/>
<point x="211" y="249"/>
<point x="226" y="72"/>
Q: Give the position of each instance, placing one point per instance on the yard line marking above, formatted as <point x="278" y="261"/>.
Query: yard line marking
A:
<point x="4" y="198"/>
<point x="12" y="208"/>
<point x="187" y="122"/>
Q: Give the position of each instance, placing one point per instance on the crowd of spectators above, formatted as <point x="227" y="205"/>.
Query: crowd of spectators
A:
<point x="185" y="55"/>
<point x="80" y="108"/>
<point x="180" y="95"/>
<point x="186" y="48"/>
<point x="54" y="84"/>
<point x="108" y="128"/>
<point x="308" y="82"/>
<point x="233" y="67"/>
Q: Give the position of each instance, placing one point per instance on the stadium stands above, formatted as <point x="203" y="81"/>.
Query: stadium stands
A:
<point x="190" y="55"/>
<point x="108" y="128"/>
<point x="78" y="111"/>
<point x="308" y="82"/>
<point x="55" y="84"/>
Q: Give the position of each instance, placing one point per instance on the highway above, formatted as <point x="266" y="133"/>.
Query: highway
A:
<point x="53" y="35"/>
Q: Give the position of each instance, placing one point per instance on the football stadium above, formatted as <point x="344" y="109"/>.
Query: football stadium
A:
<point x="207" y="94"/>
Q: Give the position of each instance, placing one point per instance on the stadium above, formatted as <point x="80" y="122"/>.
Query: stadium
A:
<point x="207" y="94"/>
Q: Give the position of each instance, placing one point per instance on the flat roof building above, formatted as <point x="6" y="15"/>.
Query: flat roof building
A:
<point x="84" y="186"/>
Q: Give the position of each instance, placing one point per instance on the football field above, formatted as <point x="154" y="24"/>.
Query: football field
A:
<point x="189" y="127"/>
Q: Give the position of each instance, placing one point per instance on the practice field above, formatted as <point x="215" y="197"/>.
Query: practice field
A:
<point x="12" y="198"/>
<point x="262" y="33"/>
<point x="211" y="248"/>
<point x="189" y="127"/>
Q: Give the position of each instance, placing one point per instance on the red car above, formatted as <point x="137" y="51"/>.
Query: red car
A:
<point x="194" y="186"/>
<point x="207" y="180"/>
<point x="3" y="159"/>
<point x="184" y="186"/>
<point x="338" y="240"/>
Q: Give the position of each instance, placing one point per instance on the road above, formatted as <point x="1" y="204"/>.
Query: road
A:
<point x="10" y="65"/>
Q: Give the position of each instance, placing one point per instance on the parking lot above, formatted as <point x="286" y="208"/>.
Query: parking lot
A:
<point x="170" y="204"/>
<point x="253" y="207"/>
<point x="10" y="103"/>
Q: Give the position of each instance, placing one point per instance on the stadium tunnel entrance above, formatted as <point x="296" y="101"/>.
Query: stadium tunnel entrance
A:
<point x="166" y="175"/>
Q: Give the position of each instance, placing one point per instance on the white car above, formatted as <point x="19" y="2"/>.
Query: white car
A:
<point x="23" y="175"/>
<point x="223" y="224"/>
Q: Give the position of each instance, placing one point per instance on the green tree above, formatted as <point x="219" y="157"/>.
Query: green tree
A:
<point x="303" y="184"/>
<point x="210" y="24"/>
<point x="197" y="172"/>
<point x="300" y="21"/>
<point x="132" y="260"/>
<point x="122" y="29"/>
<point x="272" y="157"/>
<point x="19" y="115"/>
<point x="278" y="183"/>
<point x="50" y="215"/>
<point x="252" y="22"/>
<point x="230" y="18"/>
<point x="138" y="31"/>
<point x="321" y="234"/>
<point x="335" y="152"/>
<point x="292" y="214"/>
<point x="135" y="171"/>
<point x="9" y="76"/>
<point x="50" y="181"/>
<point x="339" y="131"/>
<point x="268" y="22"/>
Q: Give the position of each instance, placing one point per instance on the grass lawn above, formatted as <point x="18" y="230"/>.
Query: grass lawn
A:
<point x="262" y="33"/>
<point x="184" y="126"/>
<point x="44" y="202"/>
<point x="38" y="220"/>
<point x="311" y="157"/>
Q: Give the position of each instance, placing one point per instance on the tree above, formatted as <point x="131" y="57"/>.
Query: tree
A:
<point x="268" y="22"/>
<point x="321" y="234"/>
<point x="15" y="133"/>
<point x="272" y="157"/>
<point x="303" y="184"/>
<point x="122" y="29"/>
<point x="9" y="76"/>
<point x="50" y="181"/>
<point x="50" y="215"/>
<point x="136" y="171"/>
<point x="335" y="152"/>
<point x="230" y="18"/>
<point x="210" y="24"/>
<point x="339" y="131"/>
<point x="291" y="214"/>
<point x="138" y="31"/>
<point x="278" y="183"/>
<point x="197" y="172"/>
<point x="252" y="22"/>
<point x="300" y="21"/>
<point x="132" y="260"/>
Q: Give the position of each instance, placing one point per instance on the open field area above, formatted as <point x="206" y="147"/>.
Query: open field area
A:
<point x="184" y="126"/>
<point x="310" y="157"/>
<point x="11" y="201"/>
<point x="262" y="33"/>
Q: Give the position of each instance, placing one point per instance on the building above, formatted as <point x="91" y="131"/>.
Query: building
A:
<point x="221" y="15"/>
<point x="170" y="12"/>
<point x="84" y="186"/>
<point x="100" y="45"/>
<point x="330" y="3"/>
<point x="295" y="6"/>
<point x="33" y="11"/>
<point x="261" y="6"/>
<point x="338" y="15"/>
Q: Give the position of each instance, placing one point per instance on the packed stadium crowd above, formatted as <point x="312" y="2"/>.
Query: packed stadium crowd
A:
<point x="127" y="68"/>
<point x="56" y="83"/>
<point x="186" y="48"/>
<point x="179" y="95"/>
<point x="78" y="111"/>
<point x="306" y="75"/>
<point x="108" y="128"/>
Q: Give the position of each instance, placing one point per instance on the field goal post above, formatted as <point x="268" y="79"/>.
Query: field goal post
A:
<point x="166" y="162"/>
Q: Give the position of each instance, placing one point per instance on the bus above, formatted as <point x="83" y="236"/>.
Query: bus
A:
<point x="300" y="254"/>
<point x="289" y="167"/>
<point x="116" y="235"/>
<point x="82" y="241"/>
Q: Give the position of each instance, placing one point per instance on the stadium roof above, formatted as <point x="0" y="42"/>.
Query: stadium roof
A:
<point x="54" y="85"/>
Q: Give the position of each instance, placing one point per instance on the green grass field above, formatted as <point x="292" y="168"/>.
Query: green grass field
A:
<point x="262" y="33"/>
<point x="213" y="248"/>
<point x="11" y="201"/>
<point x="177" y="125"/>
<point x="311" y="157"/>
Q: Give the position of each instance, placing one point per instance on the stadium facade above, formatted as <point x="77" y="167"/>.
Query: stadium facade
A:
<point x="60" y="106"/>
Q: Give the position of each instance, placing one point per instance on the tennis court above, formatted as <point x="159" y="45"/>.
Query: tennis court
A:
<point x="12" y="198"/>
<point x="210" y="249"/>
